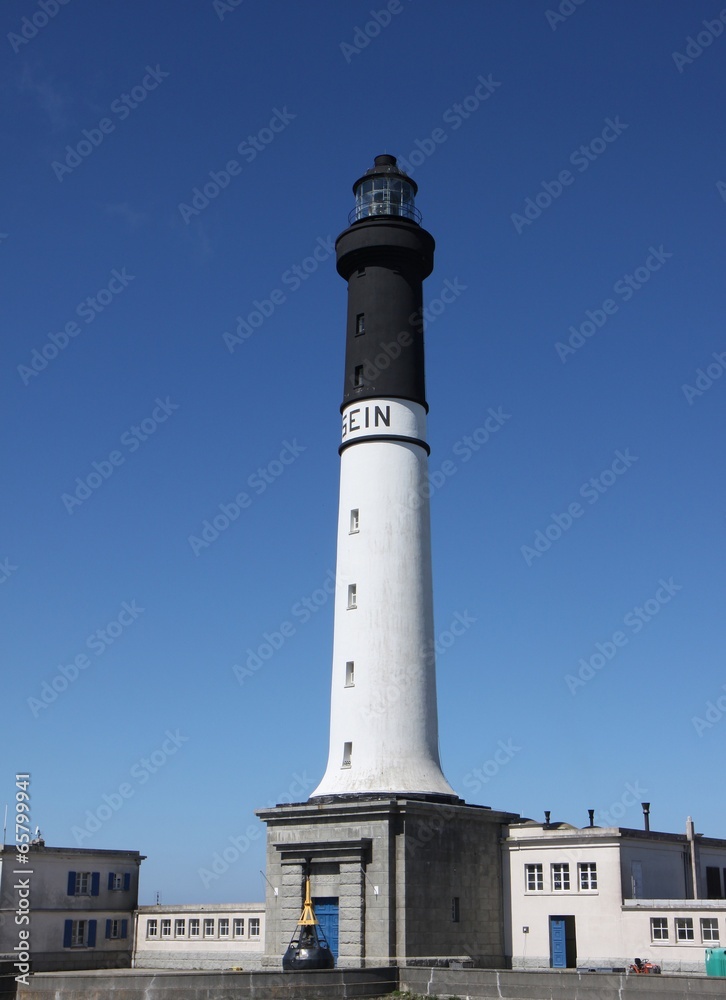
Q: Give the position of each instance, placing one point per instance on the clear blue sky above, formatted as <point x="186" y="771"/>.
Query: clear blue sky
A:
<point x="619" y="148"/>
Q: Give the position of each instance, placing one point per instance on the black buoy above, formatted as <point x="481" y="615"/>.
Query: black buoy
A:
<point x="308" y="948"/>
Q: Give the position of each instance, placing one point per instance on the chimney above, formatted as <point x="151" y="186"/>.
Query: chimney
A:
<point x="646" y="815"/>
<point x="591" y="816"/>
<point x="547" y="817"/>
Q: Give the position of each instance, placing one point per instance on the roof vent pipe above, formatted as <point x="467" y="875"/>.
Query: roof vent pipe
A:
<point x="646" y="815"/>
<point x="591" y="816"/>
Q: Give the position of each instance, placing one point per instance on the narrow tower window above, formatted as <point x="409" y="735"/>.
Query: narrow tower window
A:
<point x="347" y="754"/>
<point x="354" y="521"/>
<point x="350" y="674"/>
<point x="455" y="909"/>
<point x="360" y="325"/>
<point x="352" y="596"/>
<point x="358" y="377"/>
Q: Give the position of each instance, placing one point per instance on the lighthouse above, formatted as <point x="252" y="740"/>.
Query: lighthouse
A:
<point x="383" y="721"/>
<point x="398" y="867"/>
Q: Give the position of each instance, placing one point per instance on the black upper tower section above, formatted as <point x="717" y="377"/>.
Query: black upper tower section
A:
<point x="384" y="255"/>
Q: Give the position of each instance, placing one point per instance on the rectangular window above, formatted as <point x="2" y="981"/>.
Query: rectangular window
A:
<point x="709" y="930"/>
<point x="659" y="928"/>
<point x="588" y="875"/>
<point x="684" y="929"/>
<point x="208" y="927"/>
<point x="82" y="883"/>
<point x="534" y="878"/>
<point x="347" y="754"/>
<point x="166" y="928"/>
<point x="239" y="927"/>
<point x="713" y="883"/>
<point x="223" y="927"/>
<point x="194" y="927"/>
<point x="352" y="596"/>
<point x="115" y="881"/>
<point x="350" y="674"/>
<point x="354" y="521"/>
<point x="358" y="382"/>
<point x="180" y="927"/>
<point x="113" y="928"/>
<point x="561" y="877"/>
<point x="152" y="928"/>
<point x="360" y="325"/>
<point x="254" y="927"/>
<point x="78" y="935"/>
<point x="455" y="909"/>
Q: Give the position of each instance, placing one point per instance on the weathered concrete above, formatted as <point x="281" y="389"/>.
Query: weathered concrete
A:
<point x="348" y="984"/>
<point x="485" y="984"/>
<point x="137" y="984"/>
<point x="396" y="865"/>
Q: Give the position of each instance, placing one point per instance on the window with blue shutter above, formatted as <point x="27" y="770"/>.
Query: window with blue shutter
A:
<point x="127" y="881"/>
<point x="71" y="883"/>
<point x="91" y="933"/>
<point x="110" y="880"/>
<point x="68" y="929"/>
<point x="124" y="928"/>
<point x="95" y="883"/>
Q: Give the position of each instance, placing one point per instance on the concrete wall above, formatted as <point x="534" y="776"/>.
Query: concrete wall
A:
<point x="481" y="984"/>
<point x="476" y="984"/>
<point x="138" y="985"/>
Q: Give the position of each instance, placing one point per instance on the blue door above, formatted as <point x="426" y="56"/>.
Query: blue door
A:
<point x="563" y="943"/>
<point x="327" y="912"/>
<point x="558" y="943"/>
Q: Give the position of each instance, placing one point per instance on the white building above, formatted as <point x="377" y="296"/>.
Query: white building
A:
<point x="81" y="906"/>
<point x="599" y="897"/>
<point x="212" y="936"/>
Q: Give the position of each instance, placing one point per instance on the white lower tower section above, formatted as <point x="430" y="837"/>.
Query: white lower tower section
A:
<point x="384" y="726"/>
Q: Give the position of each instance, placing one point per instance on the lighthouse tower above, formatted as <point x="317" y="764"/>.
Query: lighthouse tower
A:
<point x="383" y="727"/>
<point x="399" y="868"/>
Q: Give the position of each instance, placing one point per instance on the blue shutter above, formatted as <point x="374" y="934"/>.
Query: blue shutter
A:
<point x="124" y="928"/>
<point x="71" y="883"/>
<point x="95" y="881"/>
<point x="110" y="880"/>
<point x="127" y="881"/>
<point x="67" y="933"/>
<point x="108" y="929"/>
<point x="91" y="933"/>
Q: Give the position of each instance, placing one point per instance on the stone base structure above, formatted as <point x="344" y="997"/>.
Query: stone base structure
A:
<point x="417" y="881"/>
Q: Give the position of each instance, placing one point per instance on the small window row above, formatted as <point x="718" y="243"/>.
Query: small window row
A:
<point x="684" y="930"/>
<point x="82" y="933"/>
<point x="89" y="883"/>
<point x="207" y="927"/>
<point x="560" y="877"/>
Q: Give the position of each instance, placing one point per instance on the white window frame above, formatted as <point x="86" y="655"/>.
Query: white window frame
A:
<point x="223" y="927"/>
<point x="238" y="927"/>
<point x="561" y="875"/>
<point x="587" y="876"/>
<point x="534" y="877"/>
<point x="152" y="928"/>
<point x="79" y="933"/>
<point x="709" y="926"/>
<point x="165" y="927"/>
<point x="254" y="926"/>
<point x="180" y="927"/>
<point x="207" y="932"/>
<point x="352" y="596"/>
<point x="115" y="929"/>
<point x="118" y="882"/>
<point x="350" y="673"/>
<point x="194" y="927"/>
<point x="354" y="521"/>
<point x="83" y="884"/>
<point x="659" y="925"/>
<point x="684" y="929"/>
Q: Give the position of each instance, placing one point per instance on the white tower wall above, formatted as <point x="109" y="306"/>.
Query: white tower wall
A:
<point x="384" y="727"/>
